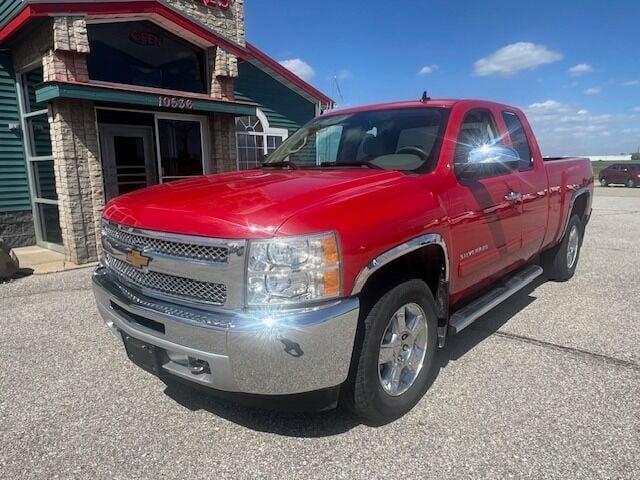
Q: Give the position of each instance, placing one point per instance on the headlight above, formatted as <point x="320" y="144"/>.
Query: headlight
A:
<point x="285" y="271"/>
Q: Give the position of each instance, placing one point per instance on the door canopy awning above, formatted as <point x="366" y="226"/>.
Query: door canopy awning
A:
<point x="154" y="98"/>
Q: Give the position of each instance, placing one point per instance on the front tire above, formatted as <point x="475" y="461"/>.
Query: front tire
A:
<point x="631" y="183"/>
<point x="604" y="182"/>
<point x="392" y="362"/>
<point x="561" y="261"/>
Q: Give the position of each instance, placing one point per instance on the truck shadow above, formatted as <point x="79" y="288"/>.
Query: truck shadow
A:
<point x="334" y="422"/>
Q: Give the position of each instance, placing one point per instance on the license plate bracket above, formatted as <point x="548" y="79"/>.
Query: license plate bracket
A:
<point x="143" y="354"/>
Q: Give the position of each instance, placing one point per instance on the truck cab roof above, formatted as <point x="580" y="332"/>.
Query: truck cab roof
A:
<point x="432" y="103"/>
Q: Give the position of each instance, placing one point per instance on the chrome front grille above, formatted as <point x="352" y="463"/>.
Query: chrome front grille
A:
<point x="209" y="253"/>
<point x="174" y="286"/>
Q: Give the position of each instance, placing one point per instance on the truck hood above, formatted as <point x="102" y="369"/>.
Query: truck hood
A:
<point x="252" y="204"/>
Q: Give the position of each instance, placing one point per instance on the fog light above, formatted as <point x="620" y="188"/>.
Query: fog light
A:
<point x="198" y="367"/>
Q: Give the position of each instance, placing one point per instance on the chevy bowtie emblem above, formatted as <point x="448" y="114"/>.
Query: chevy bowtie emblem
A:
<point x="137" y="259"/>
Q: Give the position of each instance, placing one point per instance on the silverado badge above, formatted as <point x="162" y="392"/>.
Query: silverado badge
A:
<point x="137" y="259"/>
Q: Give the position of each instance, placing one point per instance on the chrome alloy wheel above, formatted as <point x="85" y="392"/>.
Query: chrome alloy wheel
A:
<point x="402" y="349"/>
<point x="572" y="246"/>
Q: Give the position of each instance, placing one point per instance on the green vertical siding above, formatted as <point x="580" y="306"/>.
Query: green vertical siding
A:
<point x="8" y="9"/>
<point x="14" y="185"/>
<point x="283" y="107"/>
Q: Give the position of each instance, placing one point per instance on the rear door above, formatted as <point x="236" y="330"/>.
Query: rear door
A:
<point x="533" y="182"/>
<point x="616" y="175"/>
<point x="485" y="223"/>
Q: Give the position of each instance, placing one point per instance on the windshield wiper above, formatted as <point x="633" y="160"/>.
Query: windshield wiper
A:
<point x="352" y="164"/>
<point x="288" y="163"/>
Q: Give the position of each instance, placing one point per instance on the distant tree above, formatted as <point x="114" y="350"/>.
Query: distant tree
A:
<point x="635" y="157"/>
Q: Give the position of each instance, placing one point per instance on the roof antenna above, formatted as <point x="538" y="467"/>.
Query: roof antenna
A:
<point x="425" y="97"/>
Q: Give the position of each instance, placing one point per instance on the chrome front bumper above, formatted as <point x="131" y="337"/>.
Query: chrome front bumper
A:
<point x="264" y="353"/>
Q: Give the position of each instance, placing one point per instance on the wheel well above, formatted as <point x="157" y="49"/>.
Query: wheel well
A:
<point x="580" y="207"/>
<point x="426" y="264"/>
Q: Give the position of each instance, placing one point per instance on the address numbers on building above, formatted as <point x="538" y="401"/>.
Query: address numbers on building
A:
<point x="175" y="102"/>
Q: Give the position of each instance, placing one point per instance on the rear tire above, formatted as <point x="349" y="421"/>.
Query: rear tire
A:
<point x="631" y="183"/>
<point x="561" y="261"/>
<point x="604" y="182"/>
<point x="369" y="391"/>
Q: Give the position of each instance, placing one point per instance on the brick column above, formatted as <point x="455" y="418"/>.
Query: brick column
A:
<point x="78" y="178"/>
<point x="224" y="70"/>
<point x="223" y="142"/>
<point x="74" y="140"/>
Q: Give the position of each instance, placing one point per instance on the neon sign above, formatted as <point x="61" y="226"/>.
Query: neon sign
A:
<point x="223" y="4"/>
<point x="146" y="39"/>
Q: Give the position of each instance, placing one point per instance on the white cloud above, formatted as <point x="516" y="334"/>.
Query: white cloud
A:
<point x="548" y="105"/>
<point x="592" y="91"/>
<point x="630" y="83"/>
<point x="564" y="129"/>
<point x="513" y="58"/>
<point x="428" y="69"/>
<point x="580" y="69"/>
<point x="636" y="109"/>
<point x="299" y="67"/>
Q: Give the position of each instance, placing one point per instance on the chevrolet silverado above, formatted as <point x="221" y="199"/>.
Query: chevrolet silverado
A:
<point x="341" y="265"/>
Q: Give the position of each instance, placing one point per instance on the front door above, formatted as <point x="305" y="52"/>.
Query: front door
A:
<point x="485" y="223"/>
<point x="128" y="158"/>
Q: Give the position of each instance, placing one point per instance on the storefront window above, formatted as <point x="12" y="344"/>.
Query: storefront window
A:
<point x="180" y="149"/>
<point x="45" y="180"/>
<point x="141" y="53"/>
<point x="37" y="143"/>
<point x="256" y="140"/>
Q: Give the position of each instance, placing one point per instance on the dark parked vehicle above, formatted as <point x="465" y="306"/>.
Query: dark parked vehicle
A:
<point x="623" y="173"/>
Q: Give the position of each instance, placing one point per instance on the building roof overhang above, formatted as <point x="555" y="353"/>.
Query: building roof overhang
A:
<point x="156" y="98"/>
<point x="23" y="12"/>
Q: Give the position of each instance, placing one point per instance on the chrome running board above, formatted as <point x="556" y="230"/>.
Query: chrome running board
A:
<point x="469" y="314"/>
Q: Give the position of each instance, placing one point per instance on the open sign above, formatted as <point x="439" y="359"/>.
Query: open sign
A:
<point x="146" y="38"/>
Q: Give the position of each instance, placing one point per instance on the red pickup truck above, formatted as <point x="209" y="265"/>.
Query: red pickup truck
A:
<point x="339" y="267"/>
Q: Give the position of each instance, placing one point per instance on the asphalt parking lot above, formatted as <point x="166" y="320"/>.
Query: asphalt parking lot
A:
<point x="545" y="386"/>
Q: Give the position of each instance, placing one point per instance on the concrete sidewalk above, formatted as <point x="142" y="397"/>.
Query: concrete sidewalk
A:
<point x="43" y="261"/>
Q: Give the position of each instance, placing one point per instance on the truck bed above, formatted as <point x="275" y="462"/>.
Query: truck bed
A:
<point x="566" y="176"/>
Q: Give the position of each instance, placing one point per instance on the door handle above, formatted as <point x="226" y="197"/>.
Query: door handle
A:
<point x="514" y="197"/>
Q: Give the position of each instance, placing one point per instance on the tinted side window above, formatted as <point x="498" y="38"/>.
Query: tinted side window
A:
<point x="518" y="139"/>
<point x="478" y="128"/>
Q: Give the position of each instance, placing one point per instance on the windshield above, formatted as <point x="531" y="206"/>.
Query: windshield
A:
<point x="402" y="139"/>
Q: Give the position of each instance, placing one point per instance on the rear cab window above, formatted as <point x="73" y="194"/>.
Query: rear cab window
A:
<point x="519" y="139"/>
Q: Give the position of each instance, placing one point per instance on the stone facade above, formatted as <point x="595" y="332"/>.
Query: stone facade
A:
<point x="224" y="70"/>
<point x="223" y="142"/>
<point x="67" y="60"/>
<point x="17" y="229"/>
<point x="78" y="178"/>
<point x="228" y="23"/>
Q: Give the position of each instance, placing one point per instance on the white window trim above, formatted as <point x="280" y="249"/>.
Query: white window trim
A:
<point x="268" y="131"/>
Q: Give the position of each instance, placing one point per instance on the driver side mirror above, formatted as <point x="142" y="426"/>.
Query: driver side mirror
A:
<point x="488" y="160"/>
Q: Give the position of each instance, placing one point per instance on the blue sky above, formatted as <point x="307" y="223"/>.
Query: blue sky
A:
<point x="574" y="66"/>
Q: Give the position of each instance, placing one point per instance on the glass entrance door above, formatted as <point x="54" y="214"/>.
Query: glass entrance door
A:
<point x="128" y="158"/>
